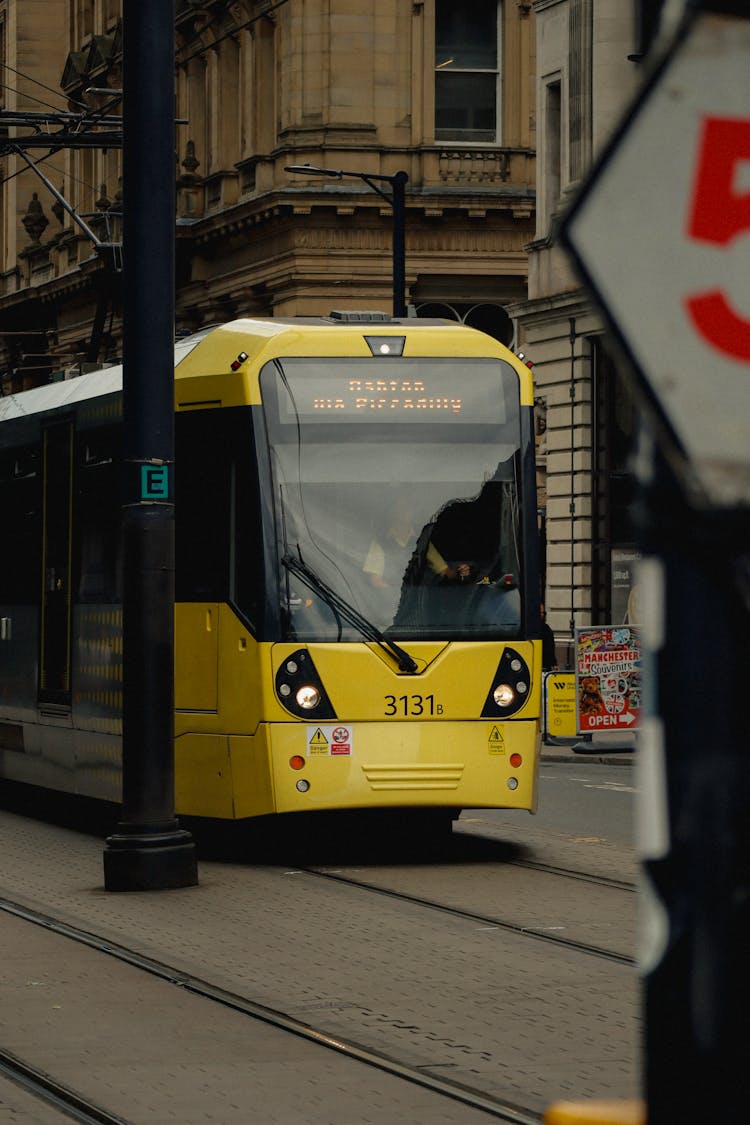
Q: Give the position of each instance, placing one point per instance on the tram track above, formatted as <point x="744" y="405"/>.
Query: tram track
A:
<point x="487" y="920"/>
<point x="76" y="1106"/>
<point x="55" y="1093"/>
<point x="571" y="873"/>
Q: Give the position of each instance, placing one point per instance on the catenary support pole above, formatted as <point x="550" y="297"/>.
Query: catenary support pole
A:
<point x="694" y="795"/>
<point x="148" y="850"/>
<point x="398" y="202"/>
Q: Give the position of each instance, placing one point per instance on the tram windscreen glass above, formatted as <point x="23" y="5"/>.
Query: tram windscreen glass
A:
<point x="396" y="483"/>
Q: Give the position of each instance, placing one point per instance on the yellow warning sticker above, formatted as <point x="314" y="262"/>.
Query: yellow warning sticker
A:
<point x="317" y="743"/>
<point x="495" y="740"/>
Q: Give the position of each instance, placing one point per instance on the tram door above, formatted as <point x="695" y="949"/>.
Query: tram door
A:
<point x="57" y="492"/>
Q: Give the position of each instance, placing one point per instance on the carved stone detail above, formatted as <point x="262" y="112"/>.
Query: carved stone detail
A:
<point x="473" y="166"/>
<point x="35" y="221"/>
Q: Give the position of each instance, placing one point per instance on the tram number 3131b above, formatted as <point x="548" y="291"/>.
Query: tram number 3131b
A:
<point x="412" y="705"/>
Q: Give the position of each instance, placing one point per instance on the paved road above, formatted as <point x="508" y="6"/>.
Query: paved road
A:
<point x="447" y="995"/>
<point x="584" y="798"/>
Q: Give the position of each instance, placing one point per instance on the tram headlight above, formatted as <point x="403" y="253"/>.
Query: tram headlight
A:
<point x="308" y="697"/>
<point x="300" y="689"/>
<point x="510" y="688"/>
<point x="503" y="695"/>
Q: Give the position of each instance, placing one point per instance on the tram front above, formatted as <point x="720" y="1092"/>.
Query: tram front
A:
<point x="396" y="539"/>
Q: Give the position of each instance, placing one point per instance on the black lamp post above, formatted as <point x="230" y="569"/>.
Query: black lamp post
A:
<point x="397" y="201"/>
<point x="148" y="850"/>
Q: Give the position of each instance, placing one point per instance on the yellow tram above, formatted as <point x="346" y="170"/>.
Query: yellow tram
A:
<point x="357" y="587"/>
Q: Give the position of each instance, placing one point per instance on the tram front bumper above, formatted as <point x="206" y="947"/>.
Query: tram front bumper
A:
<point x="479" y="764"/>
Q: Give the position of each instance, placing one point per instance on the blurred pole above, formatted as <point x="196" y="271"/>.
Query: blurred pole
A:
<point x="148" y="851"/>
<point x="694" y="797"/>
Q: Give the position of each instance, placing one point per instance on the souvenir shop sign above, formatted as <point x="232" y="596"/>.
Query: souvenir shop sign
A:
<point x="608" y="678"/>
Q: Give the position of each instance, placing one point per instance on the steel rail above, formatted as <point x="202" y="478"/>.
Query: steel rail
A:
<point x="571" y="873"/>
<point x="471" y="916"/>
<point x="48" y="1089"/>
<point x="455" y="1091"/>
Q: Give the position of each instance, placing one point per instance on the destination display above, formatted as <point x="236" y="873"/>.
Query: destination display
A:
<point x="418" y="390"/>
<point x="390" y="395"/>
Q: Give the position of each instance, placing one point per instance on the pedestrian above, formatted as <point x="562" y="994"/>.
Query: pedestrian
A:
<point x="549" y="651"/>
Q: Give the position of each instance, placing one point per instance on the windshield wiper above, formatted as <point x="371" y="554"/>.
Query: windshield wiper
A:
<point x="342" y="608"/>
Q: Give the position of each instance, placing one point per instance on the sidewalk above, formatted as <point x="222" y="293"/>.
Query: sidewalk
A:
<point x="608" y="748"/>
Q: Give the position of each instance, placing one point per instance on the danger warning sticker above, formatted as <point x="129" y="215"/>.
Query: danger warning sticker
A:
<point x="495" y="740"/>
<point x="329" y="741"/>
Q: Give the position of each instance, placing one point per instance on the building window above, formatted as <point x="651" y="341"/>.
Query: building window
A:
<point x="615" y="426"/>
<point x="551" y="185"/>
<point x="3" y="59"/>
<point x="467" y="71"/>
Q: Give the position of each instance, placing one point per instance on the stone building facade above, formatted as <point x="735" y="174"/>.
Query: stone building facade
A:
<point x="587" y="70"/>
<point x="495" y="111"/>
<point x="443" y="93"/>
<point x="31" y="35"/>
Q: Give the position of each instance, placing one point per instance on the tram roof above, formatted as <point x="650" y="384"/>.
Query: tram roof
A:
<point x="108" y="380"/>
<point x="79" y="388"/>
<point x="224" y="352"/>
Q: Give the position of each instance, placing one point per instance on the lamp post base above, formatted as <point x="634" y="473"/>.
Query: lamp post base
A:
<point x="139" y="859"/>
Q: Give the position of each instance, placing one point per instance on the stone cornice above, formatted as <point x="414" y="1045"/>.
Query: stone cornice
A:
<point x="442" y="221"/>
<point x="423" y="205"/>
<point x="549" y="309"/>
<point x="77" y="281"/>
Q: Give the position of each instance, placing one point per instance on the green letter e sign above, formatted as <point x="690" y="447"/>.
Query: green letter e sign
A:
<point x="154" y="482"/>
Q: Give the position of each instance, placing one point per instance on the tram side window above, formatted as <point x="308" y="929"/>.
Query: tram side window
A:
<point x="201" y="510"/>
<point x="20" y="512"/>
<point x="246" y="591"/>
<point x="217" y="541"/>
<point x="98" y="516"/>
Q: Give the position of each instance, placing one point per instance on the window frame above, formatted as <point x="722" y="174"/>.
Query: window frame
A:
<point x="497" y="71"/>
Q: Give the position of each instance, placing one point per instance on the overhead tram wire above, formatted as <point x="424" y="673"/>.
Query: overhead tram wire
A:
<point x="31" y="165"/>
<point x="116" y="94"/>
<point x="49" y="89"/>
<point x="19" y="171"/>
<point x="71" y="128"/>
<point x="13" y="90"/>
<point x="197" y="38"/>
<point x="89" y="117"/>
<point x="48" y="105"/>
<point x="74" y="131"/>
<point x="229" y="34"/>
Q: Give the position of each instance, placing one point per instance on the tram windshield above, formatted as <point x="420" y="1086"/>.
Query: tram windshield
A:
<point x="396" y="496"/>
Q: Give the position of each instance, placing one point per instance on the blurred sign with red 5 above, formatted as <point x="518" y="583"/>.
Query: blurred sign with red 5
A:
<point x="661" y="233"/>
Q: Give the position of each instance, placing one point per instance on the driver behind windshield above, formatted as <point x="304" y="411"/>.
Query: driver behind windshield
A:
<point x="384" y="564"/>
